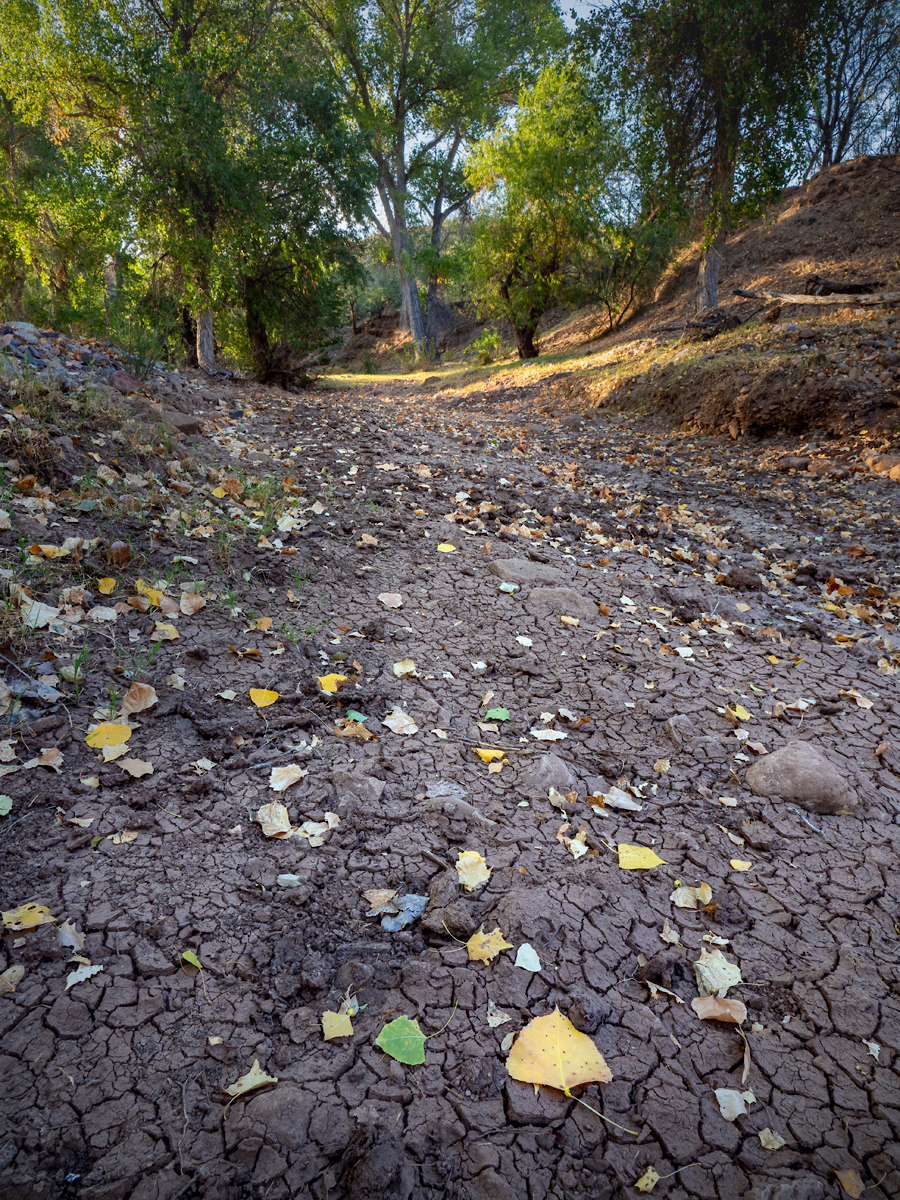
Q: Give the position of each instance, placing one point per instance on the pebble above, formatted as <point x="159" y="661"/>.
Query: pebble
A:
<point x="801" y="772"/>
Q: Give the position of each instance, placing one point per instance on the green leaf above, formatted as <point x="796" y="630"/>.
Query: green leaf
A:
<point x="5" y="805"/>
<point x="404" y="1040"/>
<point x="352" y="715"/>
<point x="497" y="714"/>
<point x="86" y="505"/>
<point x="188" y="956"/>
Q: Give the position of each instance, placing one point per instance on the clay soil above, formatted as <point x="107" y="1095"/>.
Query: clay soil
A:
<point x="701" y="574"/>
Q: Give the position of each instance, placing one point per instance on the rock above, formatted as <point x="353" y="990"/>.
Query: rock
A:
<point x="124" y="383"/>
<point x="55" y="376"/>
<point x="180" y="422"/>
<point x="283" y="1113"/>
<point x="800" y="772"/>
<point x="545" y="772"/>
<point x="742" y="580"/>
<point x="524" y="571"/>
<point x="10" y="369"/>
<point x="678" y="729"/>
<point x="557" y="601"/>
<point x="354" y="790"/>
<point x="453" y="918"/>
<point x="22" y="328"/>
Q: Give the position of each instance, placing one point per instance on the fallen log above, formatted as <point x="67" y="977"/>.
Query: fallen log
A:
<point x="845" y="301"/>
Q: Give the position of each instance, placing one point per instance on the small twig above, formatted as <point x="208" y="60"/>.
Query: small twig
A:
<point x="806" y="820"/>
<point x="436" y="859"/>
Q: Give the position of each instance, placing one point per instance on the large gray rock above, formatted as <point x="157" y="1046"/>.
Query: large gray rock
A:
<point x="558" y="601"/>
<point x="801" y="772"/>
<point x="524" y="571"/>
<point x="547" y="771"/>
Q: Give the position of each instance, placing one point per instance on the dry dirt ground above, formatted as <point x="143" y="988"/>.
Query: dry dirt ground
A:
<point x="708" y="586"/>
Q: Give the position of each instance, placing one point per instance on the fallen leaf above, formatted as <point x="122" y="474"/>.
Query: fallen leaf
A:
<point x="111" y="753"/>
<point x="106" y="586"/>
<point x="27" y="916"/>
<point x="274" y="820"/>
<point x="495" y="1017"/>
<point x="647" y="1181"/>
<point x="614" y="798"/>
<point x="228" y="694"/>
<point x="164" y="633"/>
<point x="482" y="947"/>
<point x="570" y="620"/>
<point x="380" y="900"/>
<point x="81" y="973"/>
<point x="851" y="1182"/>
<point x="36" y="615"/>
<point x="335" y="1025"/>
<point x="315" y="832"/>
<point x="861" y="700"/>
<point x="731" y="1103"/>
<point x="289" y="881"/>
<point x="669" y="934"/>
<point x="577" y="845"/>
<point x="447" y="548"/>
<point x="488" y="755"/>
<point x="391" y="599"/>
<point x="656" y="988"/>
<point x="50" y="758"/>
<point x="472" y="869"/>
<point x="400" y="722"/>
<point x="741" y="864"/>
<point x="282" y="778"/>
<point x="715" y="974"/>
<point x="7" y="752"/>
<point x="873" y="1048"/>
<point x="67" y="935"/>
<point x="527" y="958"/>
<point x="548" y="735"/>
<point x="728" y="801"/>
<point x="6" y="803"/>
<point x="405" y="666"/>
<point x="403" y="1040"/>
<point x="263" y="697"/>
<point x="638" y="858"/>
<point x="136" y="767"/>
<point x="368" y="540"/>
<point x="253" y="1079"/>
<point x="661" y="766"/>
<point x="11" y="978"/>
<point x="124" y="837"/>
<point x="331" y="683"/>
<point x="714" y="1008"/>
<point x="189" y="957"/>
<point x="406" y="910"/>
<point x="191" y="602"/>
<point x="348" y="728"/>
<point x="552" y="1052"/>
<point x="769" y="1140"/>
<point x="691" y="897"/>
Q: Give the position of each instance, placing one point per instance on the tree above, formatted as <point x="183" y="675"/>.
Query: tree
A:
<point x="854" y="95"/>
<point x="714" y="93"/>
<point x="420" y="78"/>
<point x="544" y="200"/>
<point x="199" y="109"/>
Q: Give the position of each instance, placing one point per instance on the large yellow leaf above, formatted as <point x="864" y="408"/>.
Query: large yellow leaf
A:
<point x="107" y="734"/>
<point x="331" y="683"/>
<point x="472" y="870"/>
<point x="637" y="858"/>
<point x="489" y="755"/>
<point x="106" y="586"/>
<point x="143" y="588"/>
<point x="263" y="697"/>
<point x="482" y="947"/>
<point x="551" y="1051"/>
<point x="26" y="916"/>
<point x="335" y="1025"/>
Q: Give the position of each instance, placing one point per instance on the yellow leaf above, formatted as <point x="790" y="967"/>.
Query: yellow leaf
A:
<point x="489" y="755"/>
<point x="143" y="588"/>
<point x="11" y="978"/>
<point x="741" y="864"/>
<point x="254" y="1078"/>
<point x="637" y="858"/>
<point x="570" y="620"/>
<point x="123" y="838"/>
<point x="482" y="947"/>
<point x="262" y="697"/>
<point x="335" y="1025"/>
<point x="647" y="1181"/>
<point x="405" y="666"/>
<point x="741" y="712"/>
<point x="851" y="1182"/>
<point x="108" y="735"/>
<point x="274" y="820"/>
<point x="219" y="493"/>
<point x="264" y="624"/>
<point x="472" y="869"/>
<point x="26" y="916"/>
<point x="331" y="683"/>
<point x="447" y="548"/>
<point x="106" y="586"/>
<point x="164" y="633"/>
<point x="551" y="1051"/>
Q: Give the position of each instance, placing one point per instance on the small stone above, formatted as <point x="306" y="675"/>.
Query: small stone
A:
<point x="524" y="571"/>
<point x="180" y="422"/>
<point x="800" y="772"/>
<point x="742" y="580"/>
<point x="557" y="601"/>
<point x="547" y="771"/>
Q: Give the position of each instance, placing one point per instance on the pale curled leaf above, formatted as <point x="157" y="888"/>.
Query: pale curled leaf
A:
<point x="527" y="958"/>
<point x="138" y="698"/>
<point x="81" y="974"/>
<point x="255" y="1078"/>
<point x="281" y="778"/>
<point x="472" y="869"/>
<point x="715" y="1008"/>
<point x="715" y="974"/>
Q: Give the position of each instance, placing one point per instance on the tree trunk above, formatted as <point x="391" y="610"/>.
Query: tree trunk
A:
<point x="189" y="337"/>
<point x="708" y="276"/>
<point x="525" y="341"/>
<point x="206" y="346"/>
<point x="260" y="350"/>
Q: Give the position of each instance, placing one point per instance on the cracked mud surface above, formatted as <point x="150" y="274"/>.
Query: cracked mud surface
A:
<point x="112" y="1090"/>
